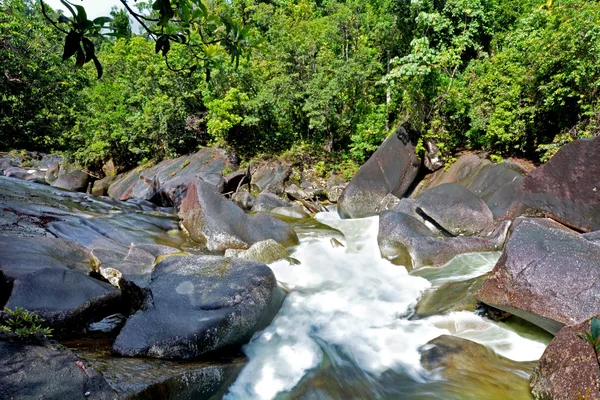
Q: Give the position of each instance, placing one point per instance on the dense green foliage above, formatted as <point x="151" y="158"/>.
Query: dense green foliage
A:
<point x="24" y="324"/>
<point x="510" y="77"/>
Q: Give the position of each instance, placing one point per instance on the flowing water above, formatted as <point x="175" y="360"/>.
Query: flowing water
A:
<point x="346" y="319"/>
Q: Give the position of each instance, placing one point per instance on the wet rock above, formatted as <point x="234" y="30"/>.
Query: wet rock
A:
<point x="547" y="275"/>
<point x="20" y="256"/>
<point x="267" y="202"/>
<point x="29" y="371"/>
<point x="404" y="240"/>
<point x="269" y="178"/>
<point x="244" y="199"/>
<point x="568" y="368"/>
<point x="66" y="299"/>
<point x="291" y="212"/>
<point x="456" y="209"/>
<point x="391" y="169"/>
<point x="219" y="224"/>
<point x="109" y="324"/>
<point x="567" y="187"/>
<point x="200" y="305"/>
<point x="74" y="181"/>
<point x="267" y="251"/>
<point x="462" y="362"/>
<point x="450" y="297"/>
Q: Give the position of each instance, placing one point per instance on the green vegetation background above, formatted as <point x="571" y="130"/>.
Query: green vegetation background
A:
<point x="330" y="77"/>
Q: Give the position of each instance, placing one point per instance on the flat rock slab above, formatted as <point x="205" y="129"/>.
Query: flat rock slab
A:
<point x="30" y="371"/>
<point x="219" y="224"/>
<point x="456" y="210"/>
<point x="65" y="299"/>
<point x="199" y="305"/>
<point x="547" y="275"/>
<point x="568" y="368"/>
<point x="567" y="187"/>
<point x="391" y="169"/>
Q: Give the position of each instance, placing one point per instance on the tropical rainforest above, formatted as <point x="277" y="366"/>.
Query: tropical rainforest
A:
<point x="326" y="77"/>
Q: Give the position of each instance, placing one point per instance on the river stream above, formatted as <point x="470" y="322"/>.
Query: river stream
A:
<point x="346" y="323"/>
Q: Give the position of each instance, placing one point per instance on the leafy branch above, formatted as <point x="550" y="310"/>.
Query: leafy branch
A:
<point x="24" y="324"/>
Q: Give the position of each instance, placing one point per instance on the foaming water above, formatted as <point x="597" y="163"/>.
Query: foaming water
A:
<point x="351" y="302"/>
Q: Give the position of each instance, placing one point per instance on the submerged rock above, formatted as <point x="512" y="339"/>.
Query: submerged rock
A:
<point x="568" y="369"/>
<point x="449" y="297"/>
<point x="547" y="275"/>
<point x="219" y="224"/>
<point x="391" y="169"/>
<point x="200" y="305"/>
<point x="267" y="251"/>
<point x="30" y="371"/>
<point x="567" y="187"/>
<point x="465" y="364"/>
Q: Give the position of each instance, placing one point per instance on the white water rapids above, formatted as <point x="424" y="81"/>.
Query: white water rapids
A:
<point x="351" y="298"/>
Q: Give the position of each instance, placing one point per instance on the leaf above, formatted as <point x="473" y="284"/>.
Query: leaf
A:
<point x="102" y="20"/>
<point x="595" y="328"/>
<point x="66" y="4"/>
<point x="63" y="19"/>
<point x="71" y="45"/>
<point x="100" y="72"/>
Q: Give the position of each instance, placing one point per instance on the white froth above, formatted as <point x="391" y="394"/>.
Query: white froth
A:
<point x="352" y="298"/>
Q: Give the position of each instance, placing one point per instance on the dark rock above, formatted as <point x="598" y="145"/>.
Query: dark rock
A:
<point x="219" y="224"/>
<point x="29" y="371"/>
<point x="234" y="181"/>
<point x="567" y="187"/>
<point x="335" y="186"/>
<point x="568" y="368"/>
<point x="200" y="305"/>
<point x="244" y="199"/>
<point x="450" y="297"/>
<point x="21" y="256"/>
<point x="456" y="209"/>
<point x="462" y="362"/>
<point x="547" y="275"/>
<point x="74" y="181"/>
<point x="405" y="240"/>
<point x="267" y="201"/>
<point x="145" y="378"/>
<point x="391" y="169"/>
<point x="66" y="299"/>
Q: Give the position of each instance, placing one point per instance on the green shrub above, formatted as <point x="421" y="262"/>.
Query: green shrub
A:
<point x="24" y="324"/>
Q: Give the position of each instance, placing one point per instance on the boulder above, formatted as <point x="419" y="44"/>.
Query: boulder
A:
<point x="49" y="371"/>
<point x="200" y="305"/>
<point x="234" y="181"/>
<point x="52" y="172"/>
<point x="450" y="297"/>
<point x="456" y="210"/>
<point x="269" y="178"/>
<point x="431" y="159"/>
<point x="496" y="184"/>
<point x="66" y="299"/>
<point x="101" y="186"/>
<point x="74" y="181"/>
<point x="295" y="211"/>
<point x="219" y="224"/>
<point x="567" y="187"/>
<point x="19" y="173"/>
<point x="391" y="169"/>
<point x="335" y="186"/>
<point x="462" y="362"/>
<point x="405" y="240"/>
<point x="568" y="369"/>
<point x="267" y="201"/>
<point x="547" y="275"/>
<point x="267" y="251"/>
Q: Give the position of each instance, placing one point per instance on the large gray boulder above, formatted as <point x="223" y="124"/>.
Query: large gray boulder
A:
<point x="266" y="202"/>
<point x="219" y="224"/>
<point x="74" y="180"/>
<point x="456" y="210"/>
<point x="269" y="177"/>
<point x="547" y="275"/>
<point x="391" y="169"/>
<point x="35" y="371"/>
<point x="567" y="188"/>
<point x="199" y="305"/>
<point x="568" y="369"/>
<point x="405" y="240"/>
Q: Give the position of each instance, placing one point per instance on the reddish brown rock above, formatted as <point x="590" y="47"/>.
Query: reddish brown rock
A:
<point x="567" y="188"/>
<point x="547" y="275"/>
<point x="568" y="368"/>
